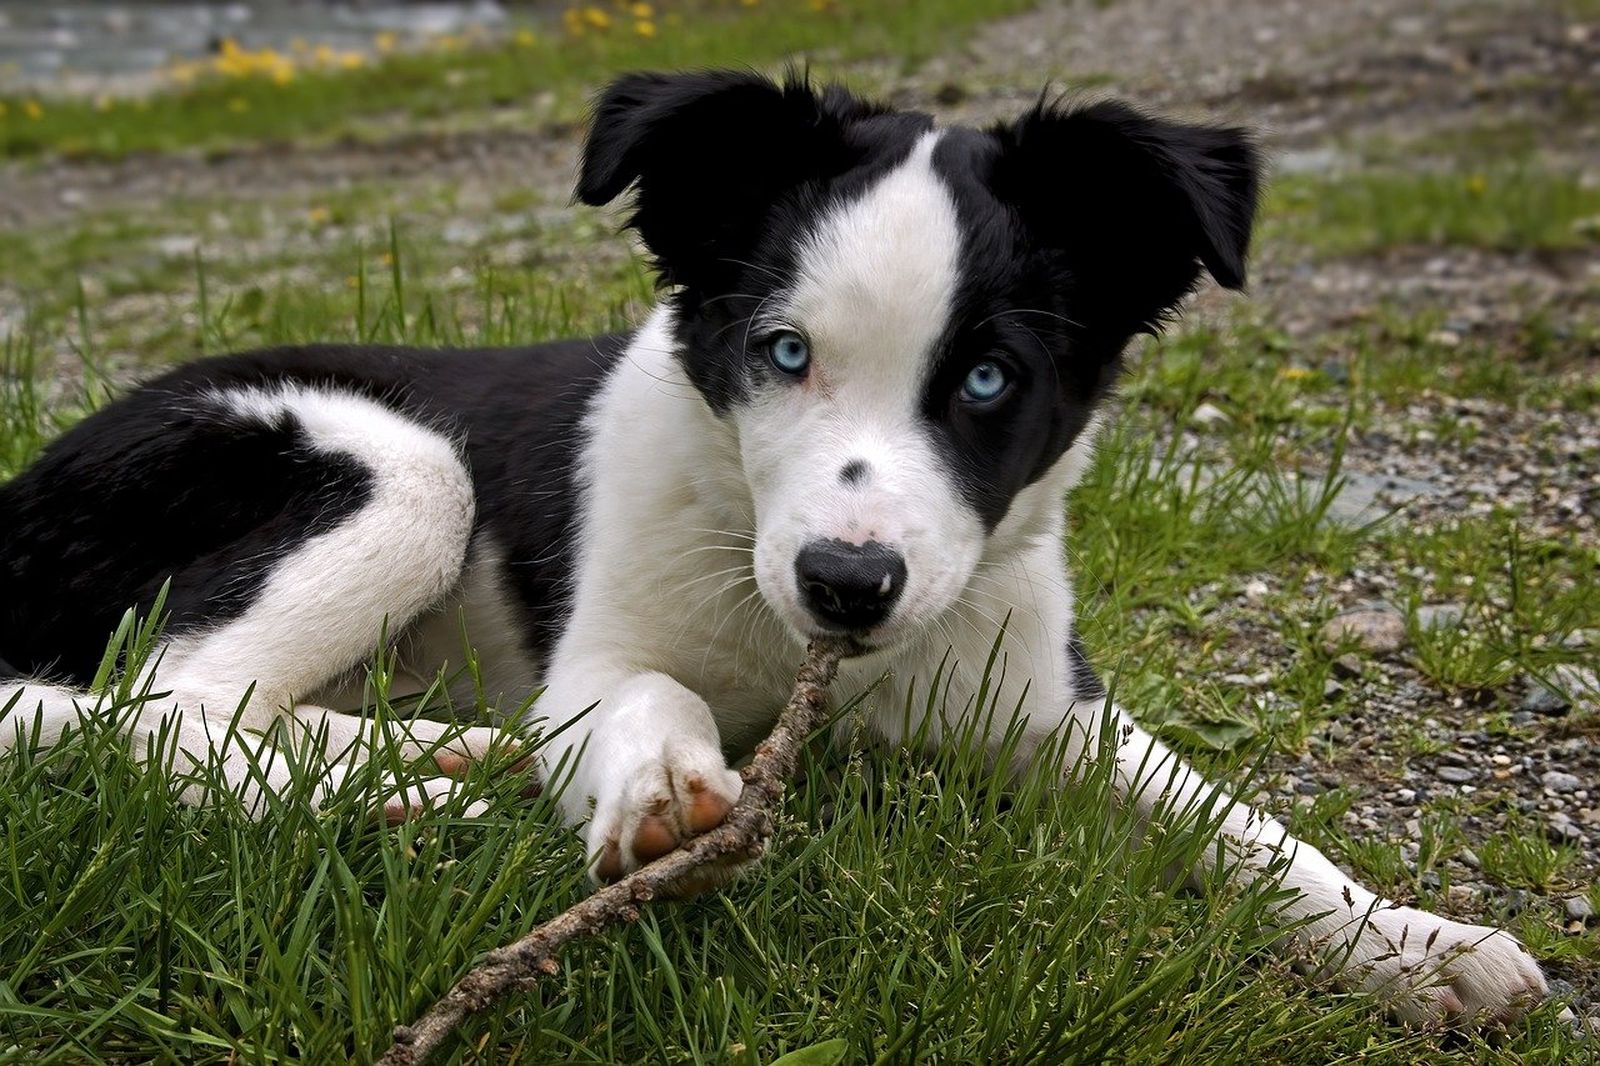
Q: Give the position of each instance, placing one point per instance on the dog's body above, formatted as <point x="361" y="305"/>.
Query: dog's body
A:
<point x="858" y="411"/>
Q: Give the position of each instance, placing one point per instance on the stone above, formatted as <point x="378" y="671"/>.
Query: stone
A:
<point x="1440" y="615"/>
<point x="1578" y="908"/>
<point x="1560" y="829"/>
<point x="1347" y="665"/>
<point x="1469" y="858"/>
<point x="1331" y="689"/>
<point x="1559" y="781"/>
<point x="1541" y="700"/>
<point x="1378" y="630"/>
<point x="1456" y="775"/>
<point x="1208" y="414"/>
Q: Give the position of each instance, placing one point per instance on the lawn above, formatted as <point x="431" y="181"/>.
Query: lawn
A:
<point x="919" y="908"/>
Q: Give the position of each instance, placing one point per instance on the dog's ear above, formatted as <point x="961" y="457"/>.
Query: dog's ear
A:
<point x="710" y="153"/>
<point x="1134" y="204"/>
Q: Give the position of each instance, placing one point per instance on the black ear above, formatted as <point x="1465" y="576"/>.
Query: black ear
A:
<point x="1136" y="204"/>
<point x="710" y="153"/>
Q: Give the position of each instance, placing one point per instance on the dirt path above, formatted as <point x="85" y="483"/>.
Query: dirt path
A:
<point x="1314" y="76"/>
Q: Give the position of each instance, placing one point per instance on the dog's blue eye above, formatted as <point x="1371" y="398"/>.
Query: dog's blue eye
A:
<point x="984" y="382"/>
<point x="789" y="352"/>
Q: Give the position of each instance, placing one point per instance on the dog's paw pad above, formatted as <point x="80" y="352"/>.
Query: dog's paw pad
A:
<point x="428" y="794"/>
<point x="708" y="808"/>
<point x="456" y="756"/>
<point x="656" y="807"/>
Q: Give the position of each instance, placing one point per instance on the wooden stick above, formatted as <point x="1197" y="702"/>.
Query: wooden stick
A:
<point x="706" y="859"/>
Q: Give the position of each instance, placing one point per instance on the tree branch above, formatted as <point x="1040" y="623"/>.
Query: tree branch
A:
<point x="706" y="859"/>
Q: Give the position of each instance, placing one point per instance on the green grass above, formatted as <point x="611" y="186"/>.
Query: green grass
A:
<point x="1500" y="207"/>
<point x="919" y="909"/>
<point x="410" y="90"/>
<point x="915" y="907"/>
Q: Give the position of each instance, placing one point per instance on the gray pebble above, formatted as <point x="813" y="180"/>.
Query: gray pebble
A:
<point x="1456" y="775"/>
<point x="1559" y="781"/>
<point x="1540" y="700"/>
<point x="1440" y="615"/>
<point x="1347" y="665"/>
<point x="1578" y="908"/>
<point x="1561" y="829"/>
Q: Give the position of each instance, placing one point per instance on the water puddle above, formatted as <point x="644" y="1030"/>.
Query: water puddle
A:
<point x="81" y="46"/>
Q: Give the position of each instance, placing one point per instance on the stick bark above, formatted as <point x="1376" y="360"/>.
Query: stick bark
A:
<point x="706" y="859"/>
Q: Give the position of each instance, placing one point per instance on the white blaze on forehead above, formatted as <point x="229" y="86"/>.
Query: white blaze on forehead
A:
<point x="877" y="278"/>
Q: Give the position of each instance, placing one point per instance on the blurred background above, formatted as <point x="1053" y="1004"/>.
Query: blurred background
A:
<point x="1345" y="528"/>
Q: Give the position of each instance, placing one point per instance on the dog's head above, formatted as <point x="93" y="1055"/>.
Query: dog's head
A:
<point x="907" y="327"/>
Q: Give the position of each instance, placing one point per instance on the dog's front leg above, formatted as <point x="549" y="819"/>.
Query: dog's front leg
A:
<point x="646" y="763"/>
<point x="1430" y="969"/>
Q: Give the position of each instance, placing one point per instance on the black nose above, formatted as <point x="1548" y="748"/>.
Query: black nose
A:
<point x="851" y="586"/>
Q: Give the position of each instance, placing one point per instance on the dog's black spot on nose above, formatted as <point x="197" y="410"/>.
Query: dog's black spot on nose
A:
<point x="854" y="472"/>
<point x="850" y="586"/>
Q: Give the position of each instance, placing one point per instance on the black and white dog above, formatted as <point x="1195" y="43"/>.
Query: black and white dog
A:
<point x="874" y="378"/>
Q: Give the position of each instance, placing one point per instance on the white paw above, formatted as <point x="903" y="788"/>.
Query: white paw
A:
<point x="644" y="810"/>
<point x="1434" y="971"/>
<point x="414" y="798"/>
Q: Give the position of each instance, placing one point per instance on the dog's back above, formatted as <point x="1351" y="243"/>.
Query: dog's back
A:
<point x="180" y="482"/>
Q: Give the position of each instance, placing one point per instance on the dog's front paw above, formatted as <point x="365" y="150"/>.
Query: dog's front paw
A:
<point x="645" y="810"/>
<point x="1434" y="971"/>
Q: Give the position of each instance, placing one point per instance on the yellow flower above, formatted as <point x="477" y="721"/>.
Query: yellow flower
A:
<point x="573" y="18"/>
<point x="596" y="18"/>
<point x="352" y="60"/>
<point x="644" y="28"/>
<point x="322" y="54"/>
<point x="642" y="12"/>
<point x="104" y="103"/>
<point x="238" y="105"/>
<point x="32" y="109"/>
<point x="526" y="38"/>
<point x="385" y="42"/>
<point x="318" y="216"/>
<point x="1477" y="185"/>
<point x="749" y="3"/>
<point x="3" y="109"/>
<point x="1295" y="373"/>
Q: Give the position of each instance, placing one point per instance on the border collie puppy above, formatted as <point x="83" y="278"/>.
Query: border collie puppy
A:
<point x="858" y="409"/>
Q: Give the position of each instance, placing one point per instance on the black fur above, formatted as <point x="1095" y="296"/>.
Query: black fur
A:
<point x="1086" y="681"/>
<point x="729" y="171"/>
<point x="1082" y="228"/>
<point x="163" y="485"/>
